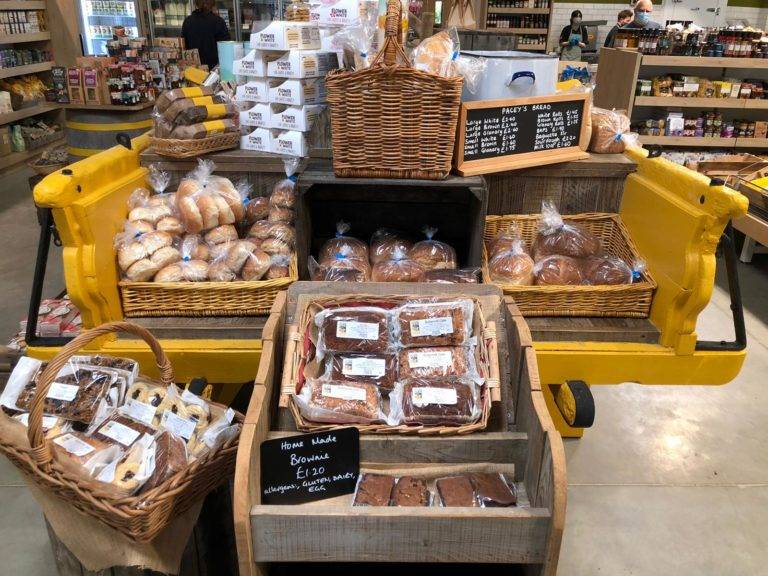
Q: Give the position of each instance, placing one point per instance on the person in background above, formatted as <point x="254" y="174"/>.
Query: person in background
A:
<point x="573" y="38"/>
<point x="202" y="29"/>
<point x="624" y="18"/>
<point x="642" y="19"/>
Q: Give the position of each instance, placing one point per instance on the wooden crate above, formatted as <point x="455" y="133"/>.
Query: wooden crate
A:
<point x="279" y="539"/>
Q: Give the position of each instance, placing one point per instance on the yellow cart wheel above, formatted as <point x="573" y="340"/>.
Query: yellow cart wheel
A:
<point x="576" y="403"/>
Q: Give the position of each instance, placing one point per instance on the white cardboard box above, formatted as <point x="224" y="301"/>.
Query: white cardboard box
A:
<point x="303" y="64"/>
<point x="259" y="115"/>
<point x="256" y="90"/>
<point x="281" y="35"/>
<point x="297" y="92"/>
<point x="254" y="63"/>
<point x="259" y="140"/>
<point x="289" y="143"/>
<point x="338" y="12"/>
<point x="298" y="118"/>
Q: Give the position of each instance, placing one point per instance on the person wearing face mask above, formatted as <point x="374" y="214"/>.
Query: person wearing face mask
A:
<point x="643" y="10"/>
<point x="573" y="38"/>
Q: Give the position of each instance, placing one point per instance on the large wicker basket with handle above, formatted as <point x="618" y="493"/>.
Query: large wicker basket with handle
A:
<point x="141" y="517"/>
<point x="391" y="120"/>
<point x="616" y="301"/>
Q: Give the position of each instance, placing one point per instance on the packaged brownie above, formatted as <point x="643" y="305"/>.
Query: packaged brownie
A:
<point x="378" y="369"/>
<point x="353" y="329"/>
<point x="120" y="429"/>
<point x="434" y="323"/>
<point x="437" y="362"/>
<point x="492" y="490"/>
<point x="411" y="491"/>
<point x="373" y="490"/>
<point x="456" y="491"/>
<point x="340" y="402"/>
<point x="448" y="402"/>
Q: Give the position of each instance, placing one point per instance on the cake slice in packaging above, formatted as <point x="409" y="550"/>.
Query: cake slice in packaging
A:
<point x="353" y="329"/>
<point x="373" y="489"/>
<point x="492" y="490"/>
<point x="128" y="473"/>
<point x="439" y="362"/>
<point x="120" y="429"/>
<point x="92" y="454"/>
<point x="378" y="369"/>
<point x="52" y="425"/>
<point x="425" y="323"/>
<point x="170" y="458"/>
<point x="219" y="431"/>
<point x="340" y="402"/>
<point x="444" y="402"/>
<point x="456" y="491"/>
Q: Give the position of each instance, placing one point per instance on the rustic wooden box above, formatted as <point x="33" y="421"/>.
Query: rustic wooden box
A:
<point x="522" y="441"/>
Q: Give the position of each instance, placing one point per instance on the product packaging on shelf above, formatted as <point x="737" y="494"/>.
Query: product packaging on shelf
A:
<point x="253" y="64"/>
<point x="260" y="140"/>
<point x="281" y="35"/>
<point x="303" y="64"/>
<point x="256" y="90"/>
<point x="300" y="118"/>
<point x="259" y="116"/>
<point x="340" y="12"/>
<point x="289" y="143"/>
<point x="297" y="92"/>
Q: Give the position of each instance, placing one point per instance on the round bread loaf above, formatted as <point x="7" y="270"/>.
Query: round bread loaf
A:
<point x="384" y="244"/>
<point x="277" y="271"/>
<point x="505" y="241"/>
<point x="569" y="240"/>
<point x="558" y="271"/>
<point x="261" y="229"/>
<point x="283" y="232"/>
<point x="165" y="256"/>
<point x="220" y="272"/>
<point x="256" y="265"/>
<point x="171" y="273"/>
<point x="280" y="214"/>
<point x="350" y="247"/>
<point x="237" y="255"/>
<point x="433" y="255"/>
<point x="606" y="271"/>
<point x="221" y="234"/>
<point x="171" y="225"/>
<point x="141" y="271"/>
<point x="283" y="194"/>
<point x="397" y="271"/>
<point x="512" y="267"/>
<point x="256" y="209"/>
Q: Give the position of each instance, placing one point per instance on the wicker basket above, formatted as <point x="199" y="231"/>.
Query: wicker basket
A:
<point x="194" y="299"/>
<point x="390" y="120"/>
<point x="176" y="148"/>
<point x="142" y="517"/>
<point x="300" y="350"/>
<point x="619" y="301"/>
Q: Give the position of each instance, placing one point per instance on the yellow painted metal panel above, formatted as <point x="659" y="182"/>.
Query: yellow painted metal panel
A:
<point x="88" y="127"/>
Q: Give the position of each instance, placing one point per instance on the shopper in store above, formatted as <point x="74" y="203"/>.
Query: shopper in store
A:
<point x="202" y="29"/>
<point x="624" y="18"/>
<point x="642" y="19"/>
<point x="573" y="38"/>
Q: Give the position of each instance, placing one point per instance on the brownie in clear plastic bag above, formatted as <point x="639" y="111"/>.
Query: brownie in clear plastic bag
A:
<point x="378" y="369"/>
<point x="446" y="402"/>
<point x="373" y="490"/>
<point x="437" y="362"/>
<point x="557" y="237"/>
<point x="353" y="329"/>
<point x="424" y="323"/>
<point x="340" y="402"/>
<point x="492" y="490"/>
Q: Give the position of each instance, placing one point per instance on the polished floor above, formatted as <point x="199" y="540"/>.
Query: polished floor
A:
<point x="671" y="479"/>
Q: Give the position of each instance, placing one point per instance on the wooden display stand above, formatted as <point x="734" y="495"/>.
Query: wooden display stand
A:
<point x="331" y="531"/>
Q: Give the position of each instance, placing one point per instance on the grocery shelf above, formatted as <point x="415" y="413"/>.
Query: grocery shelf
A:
<point x="18" y="157"/>
<point x="752" y="143"/>
<point x="27" y="112"/>
<point x="704" y="62"/>
<point x="28" y="69"/>
<point x="22" y="5"/>
<point x="679" y="102"/>
<point x="697" y="142"/>
<point x="518" y="10"/>
<point x="32" y="37"/>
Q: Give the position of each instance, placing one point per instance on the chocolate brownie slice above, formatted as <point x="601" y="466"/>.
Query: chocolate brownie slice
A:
<point x="492" y="490"/>
<point x="431" y="402"/>
<point x="410" y="491"/>
<point x="456" y="491"/>
<point x="374" y="490"/>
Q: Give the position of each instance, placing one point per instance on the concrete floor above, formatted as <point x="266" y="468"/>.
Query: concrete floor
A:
<point x="670" y="480"/>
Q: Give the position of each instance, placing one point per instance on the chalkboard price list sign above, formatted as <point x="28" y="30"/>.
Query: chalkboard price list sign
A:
<point x="501" y="135"/>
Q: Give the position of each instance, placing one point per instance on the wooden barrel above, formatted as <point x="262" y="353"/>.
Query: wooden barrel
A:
<point x="91" y="131"/>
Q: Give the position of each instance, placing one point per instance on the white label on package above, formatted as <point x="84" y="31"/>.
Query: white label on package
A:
<point x="357" y="330"/>
<point x="690" y="87"/>
<point x="178" y="425"/>
<point x="343" y="392"/>
<point x="142" y="412"/>
<point x="363" y="367"/>
<point x="120" y="433"/>
<point x="423" y="396"/>
<point x="430" y="359"/>
<point x="74" y="445"/>
<point x="65" y="392"/>
<point x="48" y="421"/>
<point x="432" y="326"/>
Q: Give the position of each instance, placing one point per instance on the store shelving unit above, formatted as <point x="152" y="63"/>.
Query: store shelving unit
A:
<point x="623" y="67"/>
<point x="486" y="9"/>
<point x="40" y="40"/>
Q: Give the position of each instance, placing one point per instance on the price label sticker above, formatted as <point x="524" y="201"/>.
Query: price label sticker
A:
<point x="372" y="367"/>
<point x="357" y="330"/>
<point x="343" y="392"/>
<point x="64" y="392"/>
<point x="423" y="396"/>
<point x="432" y="326"/>
<point x="177" y="425"/>
<point x="74" y="445"/>
<point x="441" y="359"/>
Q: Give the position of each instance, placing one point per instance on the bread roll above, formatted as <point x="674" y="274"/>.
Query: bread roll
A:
<point x="433" y="255"/>
<point x="219" y="251"/>
<point x="512" y="267"/>
<point x="208" y="210"/>
<point x="256" y="265"/>
<point x="201" y="252"/>
<point x="142" y="227"/>
<point x="227" y="190"/>
<point x="129" y="254"/>
<point x="171" y="273"/>
<point x="195" y="270"/>
<point x="558" y="271"/>
<point x="385" y="242"/>
<point x="139" y="197"/>
<point x="606" y="271"/>
<point x="141" y="271"/>
<point x="261" y="229"/>
<point x="283" y="232"/>
<point x="221" y="234"/>
<point x="171" y="225"/>
<point x="283" y="194"/>
<point x="153" y="241"/>
<point x="275" y="246"/>
<point x="190" y="214"/>
<point x="220" y="272"/>
<point x="165" y="256"/>
<point x="160" y="211"/>
<point x="277" y="271"/>
<point x="237" y="256"/>
<point x="280" y="214"/>
<point x="162" y="200"/>
<point x="144" y="213"/>
<point x="188" y="187"/>
<point x="226" y="216"/>
<point x="434" y="53"/>
<point x="256" y="209"/>
<point x="397" y="271"/>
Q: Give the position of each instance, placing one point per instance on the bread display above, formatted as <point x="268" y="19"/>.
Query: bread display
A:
<point x="341" y="402"/>
<point x="342" y="245"/>
<point x="397" y="269"/>
<point x="433" y="362"/>
<point x="385" y="242"/>
<point x="122" y="430"/>
<point x="433" y="254"/>
<point x="361" y="329"/>
<point x="170" y="458"/>
<point x="333" y="273"/>
<point x="456" y="491"/>
<point x="512" y="266"/>
<point x="374" y="490"/>
<point x="606" y="270"/>
<point x="558" y="271"/>
<point x="437" y="402"/>
<point x="410" y="491"/>
<point x="434" y="324"/>
<point x="556" y="237"/>
<point x="457" y="276"/>
<point x="256" y="209"/>
<point x="492" y="490"/>
<point x="379" y="369"/>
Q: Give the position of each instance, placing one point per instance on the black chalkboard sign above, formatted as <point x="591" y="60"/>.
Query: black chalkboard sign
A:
<point x="308" y="467"/>
<point x="498" y="135"/>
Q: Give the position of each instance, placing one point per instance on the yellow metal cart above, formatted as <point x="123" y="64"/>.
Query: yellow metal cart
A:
<point x="677" y="218"/>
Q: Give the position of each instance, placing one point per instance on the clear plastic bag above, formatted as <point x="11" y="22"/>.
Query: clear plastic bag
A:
<point x="257" y="265"/>
<point x="378" y="369"/>
<point x="419" y="324"/>
<point x="128" y="473"/>
<point x="436" y="362"/>
<point x="373" y="490"/>
<point x="340" y="403"/>
<point x="457" y="276"/>
<point x="610" y="132"/>
<point x="557" y="237"/>
<point x="385" y="241"/>
<point x="433" y="254"/>
<point x="558" y="271"/>
<point x="397" y="269"/>
<point x="219" y="431"/>
<point x="279" y="267"/>
<point x="188" y="268"/>
<point x="344" y="245"/>
<point x="205" y="201"/>
<point x="90" y="453"/>
<point x="506" y="239"/>
<point x="606" y="270"/>
<point x="353" y="329"/>
<point x="170" y="458"/>
<point x="492" y="490"/>
<point x="512" y="265"/>
<point x="443" y="402"/>
<point x="441" y="54"/>
<point x="342" y="265"/>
